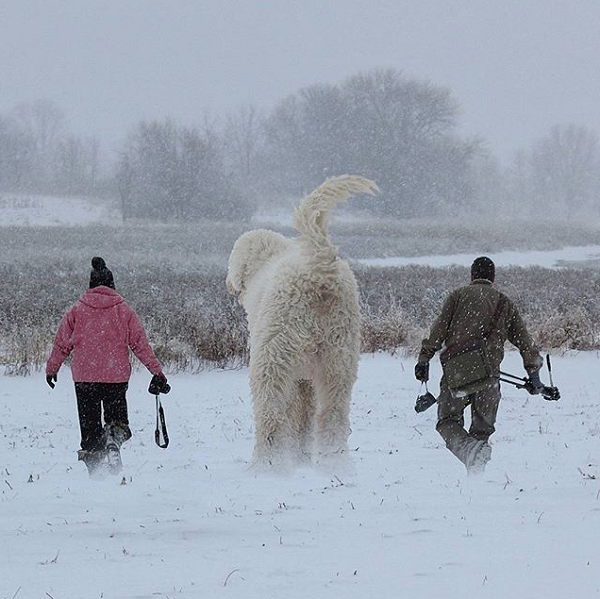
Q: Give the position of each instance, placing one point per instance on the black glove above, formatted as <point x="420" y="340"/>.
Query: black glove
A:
<point x="51" y="379"/>
<point x="159" y="384"/>
<point x="422" y="371"/>
<point x="534" y="385"/>
<point x="551" y="393"/>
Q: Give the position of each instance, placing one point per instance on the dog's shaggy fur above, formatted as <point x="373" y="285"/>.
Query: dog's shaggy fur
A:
<point x="301" y="300"/>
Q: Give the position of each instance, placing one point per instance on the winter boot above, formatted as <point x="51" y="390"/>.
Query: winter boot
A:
<point x="95" y="462"/>
<point x="115" y="434"/>
<point x="113" y="455"/>
<point x="477" y="457"/>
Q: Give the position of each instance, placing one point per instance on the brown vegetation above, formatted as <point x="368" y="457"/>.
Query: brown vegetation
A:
<point x="193" y="323"/>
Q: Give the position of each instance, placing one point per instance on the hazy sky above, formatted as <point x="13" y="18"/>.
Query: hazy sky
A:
<point x="515" y="66"/>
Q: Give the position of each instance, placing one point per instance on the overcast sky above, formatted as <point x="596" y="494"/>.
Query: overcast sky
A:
<point x="515" y="66"/>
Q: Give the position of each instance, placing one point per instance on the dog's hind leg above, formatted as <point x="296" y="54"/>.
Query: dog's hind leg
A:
<point x="273" y="386"/>
<point x="302" y="415"/>
<point x="333" y="385"/>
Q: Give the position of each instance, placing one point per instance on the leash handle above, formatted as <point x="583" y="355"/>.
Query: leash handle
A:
<point x="161" y="436"/>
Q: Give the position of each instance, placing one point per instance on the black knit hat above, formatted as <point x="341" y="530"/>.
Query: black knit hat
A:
<point x="483" y="268"/>
<point x="100" y="275"/>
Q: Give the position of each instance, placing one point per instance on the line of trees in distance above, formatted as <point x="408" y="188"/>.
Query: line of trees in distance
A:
<point x="400" y="131"/>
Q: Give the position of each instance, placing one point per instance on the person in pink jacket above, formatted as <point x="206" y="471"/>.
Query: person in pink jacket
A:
<point x="99" y="330"/>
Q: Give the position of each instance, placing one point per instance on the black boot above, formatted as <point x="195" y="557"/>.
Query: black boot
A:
<point x="95" y="460"/>
<point x="115" y="434"/>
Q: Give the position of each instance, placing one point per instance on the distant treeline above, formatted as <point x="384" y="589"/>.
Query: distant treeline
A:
<point x="399" y="131"/>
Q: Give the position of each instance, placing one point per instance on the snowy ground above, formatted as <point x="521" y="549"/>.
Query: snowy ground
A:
<point x="564" y="257"/>
<point x="38" y="210"/>
<point x="192" y="522"/>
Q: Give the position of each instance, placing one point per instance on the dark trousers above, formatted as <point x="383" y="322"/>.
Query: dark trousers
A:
<point x="450" y="424"/>
<point x="92" y="399"/>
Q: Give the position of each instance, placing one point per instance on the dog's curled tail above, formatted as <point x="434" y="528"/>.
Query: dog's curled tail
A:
<point x="312" y="215"/>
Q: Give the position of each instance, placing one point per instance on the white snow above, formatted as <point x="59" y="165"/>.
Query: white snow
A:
<point x="40" y="210"/>
<point x="545" y="258"/>
<point x="193" y="522"/>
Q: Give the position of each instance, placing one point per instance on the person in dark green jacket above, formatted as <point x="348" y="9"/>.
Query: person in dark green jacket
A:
<point x="475" y="322"/>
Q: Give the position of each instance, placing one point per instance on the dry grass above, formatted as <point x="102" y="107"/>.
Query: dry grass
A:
<point x="193" y="323"/>
<point x="174" y="278"/>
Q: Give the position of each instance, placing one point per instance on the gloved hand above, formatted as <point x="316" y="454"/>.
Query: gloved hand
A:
<point x="533" y="385"/>
<point x="51" y="379"/>
<point x="159" y="384"/>
<point x="422" y="371"/>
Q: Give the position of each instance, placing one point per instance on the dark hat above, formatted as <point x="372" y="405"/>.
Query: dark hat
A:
<point x="483" y="268"/>
<point x="100" y="275"/>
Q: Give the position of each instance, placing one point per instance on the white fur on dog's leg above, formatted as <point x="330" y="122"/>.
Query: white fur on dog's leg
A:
<point x="331" y="443"/>
<point x="279" y="450"/>
<point x="276" y="437"/>
<point x="333" y="388"/>
<point x="272" y="445"/>
<point x="302" y="416"/>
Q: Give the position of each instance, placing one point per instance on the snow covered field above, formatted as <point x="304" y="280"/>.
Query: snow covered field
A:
<point x="546" y="258"/>
<point x="191" y="521"/>
<point x="38" y="210"/>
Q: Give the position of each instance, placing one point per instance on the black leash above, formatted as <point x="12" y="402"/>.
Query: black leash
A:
<point x="159" y="385"/>
<point x="549" y="369"/>
<point x="161" y="436"/>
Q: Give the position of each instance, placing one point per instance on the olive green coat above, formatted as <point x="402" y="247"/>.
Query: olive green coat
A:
<point x="468" y="312"/>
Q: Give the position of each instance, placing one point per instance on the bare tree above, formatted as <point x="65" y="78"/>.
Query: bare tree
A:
<point x="17" y="155"/>
<point x="75" y="165"/>
<point x="490" y="186"/>
<point x="565" y="168"/>
<point x="166" y="171"/>
<point x="395" y="130"/>
<point x="44" y="122"/>
<point x="242" y="137"/>
<point x="124" y="179"/>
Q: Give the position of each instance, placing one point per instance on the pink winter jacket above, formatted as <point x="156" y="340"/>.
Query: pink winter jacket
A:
<point x="100" y="329"/>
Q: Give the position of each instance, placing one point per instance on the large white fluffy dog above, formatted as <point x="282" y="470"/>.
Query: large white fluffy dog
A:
<point x="304" y="320"/>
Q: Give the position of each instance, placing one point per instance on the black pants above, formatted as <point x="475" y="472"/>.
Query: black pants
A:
<point x="92" y="398"/>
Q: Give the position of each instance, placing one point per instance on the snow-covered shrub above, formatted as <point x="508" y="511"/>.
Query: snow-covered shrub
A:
<point x="386" y="330"/>
<point x="174" y="277"/>
<point x="568" y="330"/>
<point x="25" y="348"/>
